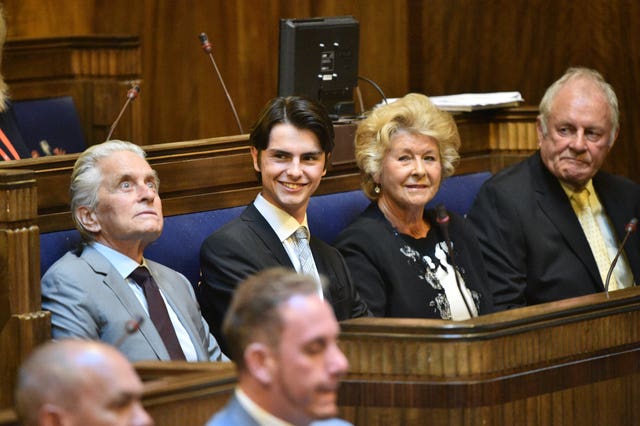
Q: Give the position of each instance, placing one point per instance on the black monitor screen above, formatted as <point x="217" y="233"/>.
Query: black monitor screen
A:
<point x="319" y="59"/>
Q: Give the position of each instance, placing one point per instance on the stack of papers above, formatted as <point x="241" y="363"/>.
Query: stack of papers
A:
<point x="477" y="101"/>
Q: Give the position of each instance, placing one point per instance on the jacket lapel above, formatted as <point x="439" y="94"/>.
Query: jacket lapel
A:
<point x="555" y="204"/>
<point x="618" y="204"/>
<point x="265" y="234"/>
<point x="112" y="279"/>
<point x="173" y="296"/>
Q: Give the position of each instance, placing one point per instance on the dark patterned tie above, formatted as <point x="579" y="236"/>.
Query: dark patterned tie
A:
<point x="158" y="312"/>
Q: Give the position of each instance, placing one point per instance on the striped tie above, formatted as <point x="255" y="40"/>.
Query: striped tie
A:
<point x="303" y="251"/>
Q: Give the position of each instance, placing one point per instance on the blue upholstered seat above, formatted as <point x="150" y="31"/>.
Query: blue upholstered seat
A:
<point x="179" y="245"/>
<point x="54" y="120"/>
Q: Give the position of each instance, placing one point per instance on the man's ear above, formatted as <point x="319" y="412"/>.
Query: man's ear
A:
<point x="259" y="361"/>
<point x="539" y="131"/>
<point x="51" y="415"/>
<point x="88" y="219"/>
<point x="255" y="155"/>
<point x="615" y="138"/>
<point x="327" y="160"/>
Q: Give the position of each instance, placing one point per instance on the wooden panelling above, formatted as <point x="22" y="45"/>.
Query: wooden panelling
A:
<point x="96" y="71"/>
<point x="22" y="324"/>
<point x="482" y="46"/>
<point x="185" y="393"/>
<point x="216" y="173"/>
<point x="431" y="46"/>
<point x="576" y="361"/>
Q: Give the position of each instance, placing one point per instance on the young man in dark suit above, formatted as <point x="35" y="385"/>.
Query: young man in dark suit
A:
<point x="290" y="147"/>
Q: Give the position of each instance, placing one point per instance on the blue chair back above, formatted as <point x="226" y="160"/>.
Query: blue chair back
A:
<point x="458" y="192"/>
<point x="179" y="245"/>
<point x="53" y="120"/>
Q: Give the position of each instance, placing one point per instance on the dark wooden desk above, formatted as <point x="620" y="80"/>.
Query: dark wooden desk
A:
<point x="572" y="362"/>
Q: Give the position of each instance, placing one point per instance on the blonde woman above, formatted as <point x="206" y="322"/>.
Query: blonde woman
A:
<point x="398" y="254"/>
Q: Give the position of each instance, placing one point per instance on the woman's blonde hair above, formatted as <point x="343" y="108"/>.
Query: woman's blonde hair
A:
<point x="415" y="114"/>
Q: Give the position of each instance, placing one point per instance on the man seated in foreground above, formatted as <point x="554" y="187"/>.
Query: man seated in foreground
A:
<point x="283" y="337"/>
<point x="77" y="383"/>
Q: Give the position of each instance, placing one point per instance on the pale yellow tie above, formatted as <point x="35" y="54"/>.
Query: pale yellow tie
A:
<point x="594" y="236"/>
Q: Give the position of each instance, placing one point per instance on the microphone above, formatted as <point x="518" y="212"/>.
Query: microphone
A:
<point x="442" y="217"/>
<point x="208" y="49"/>
<point x="631" y="227"/>
<point x="130" y="327"/>
<point x="132" y="94"/>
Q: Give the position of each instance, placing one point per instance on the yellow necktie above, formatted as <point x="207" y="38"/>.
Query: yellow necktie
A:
<point x="594" y="236"/>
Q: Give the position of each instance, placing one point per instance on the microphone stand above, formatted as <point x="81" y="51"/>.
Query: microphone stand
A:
<point x="130" y="327"/>
<point x="131" y="95"/>
<point x="442" y="218"/>
<point x="631" y="227"/>
<point x="208" y="49"/>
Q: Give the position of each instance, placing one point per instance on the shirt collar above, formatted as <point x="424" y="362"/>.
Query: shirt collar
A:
<point x="122" y="263"/>
<point x="570" y="191"/>
<point x="283" y="223"/>
<point x="263" y="417"/>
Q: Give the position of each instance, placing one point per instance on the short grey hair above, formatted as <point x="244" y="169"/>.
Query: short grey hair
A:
<point x="588" y="74"/>
<point x="86" y="178"/>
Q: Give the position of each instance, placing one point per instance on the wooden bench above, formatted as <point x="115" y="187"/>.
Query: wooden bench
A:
<point x="179" y="245"/>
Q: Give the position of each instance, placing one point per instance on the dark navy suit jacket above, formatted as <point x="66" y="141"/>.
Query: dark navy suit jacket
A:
<point x="247" y="245"/>
<point x="532" y="242"/>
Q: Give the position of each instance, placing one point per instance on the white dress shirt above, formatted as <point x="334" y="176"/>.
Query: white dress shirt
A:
<point x="285" y="225"/>
<point x="125" y="266"/>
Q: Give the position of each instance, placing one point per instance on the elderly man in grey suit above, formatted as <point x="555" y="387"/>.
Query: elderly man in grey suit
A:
<point x="106" y="288"/>
<point x="283" y="337"/>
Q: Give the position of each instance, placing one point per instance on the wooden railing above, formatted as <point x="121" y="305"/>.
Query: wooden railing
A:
<point x="571" y="362"/>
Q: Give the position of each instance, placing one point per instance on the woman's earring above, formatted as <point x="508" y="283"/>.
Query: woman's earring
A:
<point x="376" y="189"/>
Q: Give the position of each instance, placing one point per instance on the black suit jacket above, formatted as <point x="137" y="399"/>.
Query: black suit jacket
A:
<point x="247" y="245"/>
<point x="534" y="248"/>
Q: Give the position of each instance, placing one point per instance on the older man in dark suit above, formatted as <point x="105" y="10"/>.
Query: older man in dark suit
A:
<point x="290" y="147"/>
<point x="550" y="226"/>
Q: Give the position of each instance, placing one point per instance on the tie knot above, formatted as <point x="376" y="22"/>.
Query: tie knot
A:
<point x="140" y="275"/>
<point x="581" y="198"/>
<point x="301" y="234"/>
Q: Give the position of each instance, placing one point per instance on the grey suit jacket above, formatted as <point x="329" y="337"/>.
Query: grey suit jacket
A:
<point x="89" y="299"/>
<point x="234" y="414"/>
